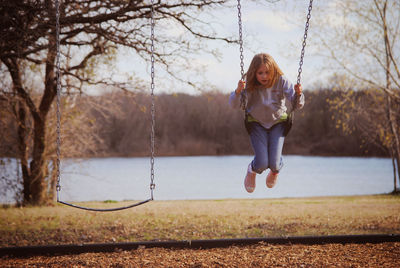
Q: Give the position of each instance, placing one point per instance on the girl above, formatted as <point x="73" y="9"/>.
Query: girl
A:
<point x="266" y="92"/>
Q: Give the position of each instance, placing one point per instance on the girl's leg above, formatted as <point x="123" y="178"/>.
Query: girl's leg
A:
<point x="275" y="144"/>
<point x="259" y="142"/>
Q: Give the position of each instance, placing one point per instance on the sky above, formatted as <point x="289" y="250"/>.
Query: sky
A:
<point x="276" y="29"/>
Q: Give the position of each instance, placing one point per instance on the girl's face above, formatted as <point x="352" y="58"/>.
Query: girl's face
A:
<point x="263" y="75"/>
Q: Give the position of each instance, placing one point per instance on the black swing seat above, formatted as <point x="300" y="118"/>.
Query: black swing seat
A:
<point x="105" y="209"/>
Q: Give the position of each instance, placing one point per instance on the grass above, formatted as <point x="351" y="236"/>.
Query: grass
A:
<point x="203" y="219"/>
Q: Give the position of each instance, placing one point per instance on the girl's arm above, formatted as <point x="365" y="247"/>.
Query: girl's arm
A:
<point x="234" y="98"/>
<point x="293" y="94"/>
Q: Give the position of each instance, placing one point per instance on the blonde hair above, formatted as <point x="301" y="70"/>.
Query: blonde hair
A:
<point x="256" y="62"/>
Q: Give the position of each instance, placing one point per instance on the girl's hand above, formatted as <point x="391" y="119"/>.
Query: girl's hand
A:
<point x="298" y="88"/>
<point x="241" y="85"/>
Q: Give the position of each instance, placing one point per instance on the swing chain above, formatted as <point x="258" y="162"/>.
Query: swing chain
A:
<point x="58" y="100"/>
<point x="304" y="41"/>
<point x="243" y="97"/>
<point x="239" y="7"/>
<point x="152" y="135"/>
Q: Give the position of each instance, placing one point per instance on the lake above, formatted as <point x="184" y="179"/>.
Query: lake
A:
<point x="219" y="177"/>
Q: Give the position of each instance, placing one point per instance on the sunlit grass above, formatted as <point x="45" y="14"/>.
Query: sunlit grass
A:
<point x="202" y="219"/>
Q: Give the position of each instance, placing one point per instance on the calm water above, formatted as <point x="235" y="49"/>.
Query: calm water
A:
<point x="219" y="177"/>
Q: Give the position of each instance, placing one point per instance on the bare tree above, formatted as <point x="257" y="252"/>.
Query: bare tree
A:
<point x="91" y="33"/>
<point x="361" y="41"/>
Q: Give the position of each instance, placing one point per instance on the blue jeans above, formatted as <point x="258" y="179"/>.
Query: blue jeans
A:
<point x="267" y="145"/>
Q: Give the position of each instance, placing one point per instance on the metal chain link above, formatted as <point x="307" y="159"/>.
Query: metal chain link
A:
<point x="304" y="42"/>
<point x="152" y="135"/>
<point x="239" y="7"/>
<point x="243" y="97"/>
<point x="58" y="140"/>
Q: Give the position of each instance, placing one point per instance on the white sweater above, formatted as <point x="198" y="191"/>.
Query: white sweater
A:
<point x="268" y="105"/>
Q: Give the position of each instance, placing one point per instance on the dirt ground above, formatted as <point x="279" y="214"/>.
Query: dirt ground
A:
<point x="261" y="255"/>
<point x="211" y="219"/>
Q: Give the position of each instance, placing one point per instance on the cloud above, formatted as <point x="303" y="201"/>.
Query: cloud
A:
<point x="273" y="20"/>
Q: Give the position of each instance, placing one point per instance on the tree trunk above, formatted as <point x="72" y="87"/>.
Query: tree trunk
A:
<point x="22" y="148"/>
<point x="35" y="188"/>
<point x="394" y="173"/>
<point x="391" y="114"/>
<point x="398" y="174"/>
<point x="37" y="165"/>
<point x="52" y="193"/>
<point x="396" y="145"/>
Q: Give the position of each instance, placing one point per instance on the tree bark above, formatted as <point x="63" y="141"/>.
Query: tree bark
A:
<point x="396" y="143"/>
<point x="34" y="177"/>
<point x="391" y="114"/>
<point x="39" y="169"/>
<point x="22" y="149"/>
<point x="398" y="172"/>
<point x="37" y="185"/>
<point x="394" y="173"/>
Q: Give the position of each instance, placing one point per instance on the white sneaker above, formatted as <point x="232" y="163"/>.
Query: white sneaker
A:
<point x="271" y="179"/>
<point x="250" y="180"/>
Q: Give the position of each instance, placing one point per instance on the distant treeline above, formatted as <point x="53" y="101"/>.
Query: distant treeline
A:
<point x="202" y="125"/>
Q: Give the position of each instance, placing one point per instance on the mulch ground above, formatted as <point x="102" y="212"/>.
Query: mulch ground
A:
<point x="261" y="255"/>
